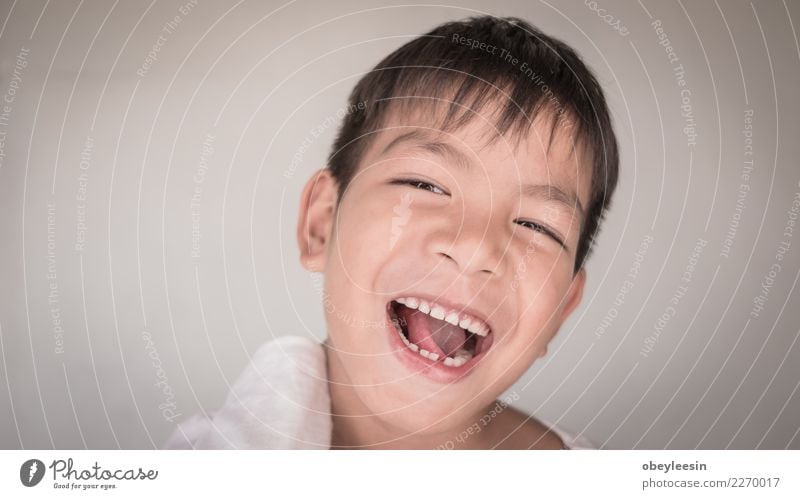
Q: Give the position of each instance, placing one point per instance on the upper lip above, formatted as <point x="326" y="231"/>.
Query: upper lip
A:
<point x="449" y="305"/>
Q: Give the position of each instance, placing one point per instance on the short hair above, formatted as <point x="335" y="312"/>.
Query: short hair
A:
<point x="463" y="64"/>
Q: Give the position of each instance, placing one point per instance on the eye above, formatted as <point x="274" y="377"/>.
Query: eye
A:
<point x="537" y="227"/>
<point x="419" y="184"/>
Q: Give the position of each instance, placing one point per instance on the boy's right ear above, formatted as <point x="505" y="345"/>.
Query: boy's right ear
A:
<point x="315" y="221"/>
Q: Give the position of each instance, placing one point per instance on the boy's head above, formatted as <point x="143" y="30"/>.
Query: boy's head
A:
<point x="459" y="204"/>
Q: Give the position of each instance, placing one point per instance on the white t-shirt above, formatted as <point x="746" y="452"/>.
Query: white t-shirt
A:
<point x="280" y="401"/>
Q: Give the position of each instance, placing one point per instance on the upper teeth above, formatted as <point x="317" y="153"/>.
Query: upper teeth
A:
<point x="460" y="319"/>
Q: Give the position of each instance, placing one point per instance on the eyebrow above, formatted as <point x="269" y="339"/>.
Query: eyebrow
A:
<point x="547" y="192"/>
<point x="422" y="140"/>
<point x="554" y="193"/>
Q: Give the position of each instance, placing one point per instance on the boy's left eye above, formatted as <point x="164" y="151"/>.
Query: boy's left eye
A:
<point x="541" y="228"/>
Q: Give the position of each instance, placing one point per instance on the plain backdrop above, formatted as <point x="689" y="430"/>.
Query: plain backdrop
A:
<point x="148" y="209"/>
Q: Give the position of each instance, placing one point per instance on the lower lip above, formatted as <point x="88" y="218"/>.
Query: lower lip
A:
<point x="434" y="370"/>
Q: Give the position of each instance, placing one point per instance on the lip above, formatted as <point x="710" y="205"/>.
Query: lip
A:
<point x="433" y="370"/>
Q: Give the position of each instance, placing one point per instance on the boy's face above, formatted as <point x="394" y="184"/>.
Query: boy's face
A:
<point x="448" y="225"/>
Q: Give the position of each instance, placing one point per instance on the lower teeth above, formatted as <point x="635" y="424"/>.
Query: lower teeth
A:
<point x="459" y="359"/>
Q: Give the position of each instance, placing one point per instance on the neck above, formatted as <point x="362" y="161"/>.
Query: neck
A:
<point x="356" y="427"/>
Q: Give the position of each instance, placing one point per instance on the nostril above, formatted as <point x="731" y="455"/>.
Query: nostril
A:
<point x="446" y="256"/>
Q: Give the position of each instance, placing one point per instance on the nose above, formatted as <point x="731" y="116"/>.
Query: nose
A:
<point x="473" y="244"/>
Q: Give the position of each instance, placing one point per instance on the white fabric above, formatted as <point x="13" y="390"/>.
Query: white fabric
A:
<point x="280" y="401"/>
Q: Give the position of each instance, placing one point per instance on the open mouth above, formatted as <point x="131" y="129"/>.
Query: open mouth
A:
<point x="438" y="333"/>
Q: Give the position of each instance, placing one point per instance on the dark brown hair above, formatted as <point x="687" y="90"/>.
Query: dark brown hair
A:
<point x="471" y="63"/>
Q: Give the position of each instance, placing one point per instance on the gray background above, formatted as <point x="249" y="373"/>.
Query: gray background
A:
<point x="260" y="78"/>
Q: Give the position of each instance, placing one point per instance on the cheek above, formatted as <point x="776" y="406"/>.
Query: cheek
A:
<point x="360" y="241"/>
<point x="357" y="252"/>
<point x="541" y="301"/>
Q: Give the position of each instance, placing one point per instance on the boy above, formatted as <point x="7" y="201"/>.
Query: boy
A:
<point x="451" y="225"/>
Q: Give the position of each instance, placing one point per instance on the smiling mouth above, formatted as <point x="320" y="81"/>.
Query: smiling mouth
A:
<point x="438" y="333"/>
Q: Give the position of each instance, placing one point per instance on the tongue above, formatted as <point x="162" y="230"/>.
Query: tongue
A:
<point x="432" y="334"/>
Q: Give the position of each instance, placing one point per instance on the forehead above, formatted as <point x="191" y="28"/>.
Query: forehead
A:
<point x="545" y="152"/>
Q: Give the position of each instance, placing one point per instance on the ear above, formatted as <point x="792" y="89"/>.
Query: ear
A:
<point x="315" y="220"/>
<point x="572" y="299"/>
<point x="574" y="295"/>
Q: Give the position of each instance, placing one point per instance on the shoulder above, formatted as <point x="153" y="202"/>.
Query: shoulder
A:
<point x="517" y="430"/>
<point x="293" y="365"/>
<point x="279" y="401"/>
